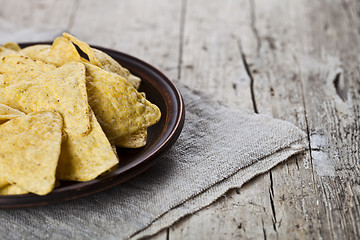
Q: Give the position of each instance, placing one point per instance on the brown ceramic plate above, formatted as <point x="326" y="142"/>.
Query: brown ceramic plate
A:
<point x="159" y="90"/>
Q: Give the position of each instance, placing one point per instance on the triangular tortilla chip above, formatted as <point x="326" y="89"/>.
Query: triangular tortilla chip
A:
<point x="63" y="90"/>
<point x="3" y="182"/>
<point x="37" y="52"/>
<point x="85" y="48"/>
<point x="119" y="107"/>
<point x="12" y="46"/>
<point x="12" y="190"/>
<point x="60" y="52"/>
<point x="111" y="65"/>
<point x="63" y="51"/>
<point x="15" y="66"/>
<point x="83" y="158"/>
<point x="7" y="113"/>
<point x="6" y="51"/>
<point x="104" y="61"/>
<point x="135" y="140"/>
<point x="30" y="149"/>
<point x="86" y="153"/>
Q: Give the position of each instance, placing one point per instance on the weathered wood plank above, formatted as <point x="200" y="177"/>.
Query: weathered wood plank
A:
<point x="333" y="124"/>
<point x="278" y="91"/>
<point x="292" y="79"/>
<point x="40" y="14"/>
<point x="148" y="30"/>
<point x="216" y="34"/>
<point x="211" y="51"/>
<point x="303" y="50"/>
<point x="240" y="214"/>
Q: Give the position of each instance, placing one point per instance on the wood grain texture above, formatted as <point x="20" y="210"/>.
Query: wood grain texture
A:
<point x="149" y="30"/>
<point x="40" y="14"/>
<point x="211" y="51"/>
<point x="295" y="60"/>
<point x="309" y="77"/>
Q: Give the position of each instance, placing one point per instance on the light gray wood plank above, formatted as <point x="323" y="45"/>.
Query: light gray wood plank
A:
<point x="211" y="51"/>
<point x="240" y="214"/>
<point x="216" y="37"/>
<point x="40" y="14"/>
<point x="148" y="30"/>
<point x="301" y="52"/>
<point x="294" y="78"/>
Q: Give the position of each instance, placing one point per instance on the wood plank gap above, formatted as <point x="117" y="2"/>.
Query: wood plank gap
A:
<point x="253" y="26"/>
<point x="306" y="124"/>
<point x="272" y="204"/>
<point x="263" y="227"/>
<point x="328" y="210"/>
<point x="181" y="36"/>
<point x="74" y="10"/>
<point x="248" y="71"/>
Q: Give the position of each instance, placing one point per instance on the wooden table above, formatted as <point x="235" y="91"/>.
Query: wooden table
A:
<point x="296" y="60"/>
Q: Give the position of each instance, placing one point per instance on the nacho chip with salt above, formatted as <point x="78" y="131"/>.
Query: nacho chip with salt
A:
<point x="119" y="107"/>
<point x="15" y="66"/>
<point x="60" y="52"/>
<point x="30" y="149"/>
<point x="12" y="190"/>
<point x="134" y="140"/>
<point x="3" y="182"/>
<point x="83" y="158"/>
<point x="85" y="48"/>
<point x="12" y="46"/>
<point x="104" y="61"/>
<point x="86" y="152"/>
<point x="111" y="65"/>
<point x="7" y="113"/>
<point x="6" y="51"/>
<point x="38" y="51"/>
<point x="63" y="90"/>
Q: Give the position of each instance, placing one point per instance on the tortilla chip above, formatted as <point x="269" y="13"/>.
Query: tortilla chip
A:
<point x="14" y="67"/>
<point x="5" y="51"/>
<point x="12" y="190"/>
<point x="104" y="61"/>
<point x="114" y="149"/>
<point x="63" y="90"/>
<point x="62" y="51"/>
<point x="120" y="109"/>
<point x="111" y="65"/>
<point x="3" y="182"/>
<point x="7" y="113"/>
<point x="85" y="48"/>
<point x="86" y="152"/>
<point x="12" y="46"/>
<point x="83" y="158"/>
<point x="135" y="140"/>
<point x="30" y="150"/>
<point x="38" y="51"/>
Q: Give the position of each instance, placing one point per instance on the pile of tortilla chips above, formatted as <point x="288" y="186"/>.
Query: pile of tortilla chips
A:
<point x="61" y="115"/>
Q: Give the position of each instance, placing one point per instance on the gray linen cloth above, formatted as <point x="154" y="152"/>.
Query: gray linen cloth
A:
<point x="220" y="148"/>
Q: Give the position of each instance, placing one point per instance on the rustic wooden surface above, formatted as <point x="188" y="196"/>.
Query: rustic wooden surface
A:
<point x="295" y="60"/>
